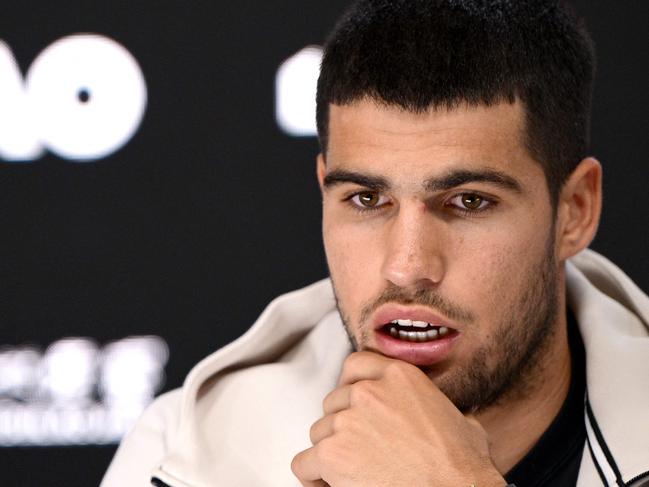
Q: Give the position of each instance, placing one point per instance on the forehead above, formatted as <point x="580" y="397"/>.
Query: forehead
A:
<point x="367" y="134"/>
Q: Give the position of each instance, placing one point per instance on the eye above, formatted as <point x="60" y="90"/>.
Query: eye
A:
<point x="470" y="202"/>
<point x="368" y="200"/>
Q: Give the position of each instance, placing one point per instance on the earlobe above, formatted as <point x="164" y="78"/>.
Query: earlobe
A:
<point x="579" y="208"/>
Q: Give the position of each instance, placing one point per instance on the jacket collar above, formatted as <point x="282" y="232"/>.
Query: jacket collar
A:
<point x="613" y="317"/>
<point x="281" y="358"/>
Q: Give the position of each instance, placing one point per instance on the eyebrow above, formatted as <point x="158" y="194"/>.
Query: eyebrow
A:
<point x="458" y="178"/>
<point x="341" y="176"/>
<point x="442" y="183"/>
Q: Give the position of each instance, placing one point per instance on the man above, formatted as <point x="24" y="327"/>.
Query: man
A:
<point x="458" y="200"/>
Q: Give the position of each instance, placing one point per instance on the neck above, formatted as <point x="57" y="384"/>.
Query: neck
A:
<point x="514" y="427"/>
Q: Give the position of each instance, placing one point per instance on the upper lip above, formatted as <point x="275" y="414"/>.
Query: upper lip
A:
<point x="392" y="311"/>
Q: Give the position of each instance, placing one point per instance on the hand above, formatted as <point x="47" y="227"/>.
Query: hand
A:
<point x="387" y="424"/>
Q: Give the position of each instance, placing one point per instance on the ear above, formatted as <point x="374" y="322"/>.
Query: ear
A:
<point x="321" y="170"/>
<point x="579" y="208"/>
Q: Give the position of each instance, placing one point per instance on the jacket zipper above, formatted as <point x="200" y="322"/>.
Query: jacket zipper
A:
<point x="637" y="478"/>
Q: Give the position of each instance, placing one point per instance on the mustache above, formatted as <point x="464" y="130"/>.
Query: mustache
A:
<point x="420" y="296"/>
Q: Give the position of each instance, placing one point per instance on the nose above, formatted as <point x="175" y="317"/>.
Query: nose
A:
<point x="413" y="248"/>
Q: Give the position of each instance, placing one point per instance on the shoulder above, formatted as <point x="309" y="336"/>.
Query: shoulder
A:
<point x="146" y="444"/>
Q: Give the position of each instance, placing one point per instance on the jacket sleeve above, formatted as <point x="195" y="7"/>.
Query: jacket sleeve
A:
<point x="141" y="450"/>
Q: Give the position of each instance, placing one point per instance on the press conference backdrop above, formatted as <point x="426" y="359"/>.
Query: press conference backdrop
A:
<point x="157" y="189"/>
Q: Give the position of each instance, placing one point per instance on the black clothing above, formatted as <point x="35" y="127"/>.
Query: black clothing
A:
<point x="555" y="459"/>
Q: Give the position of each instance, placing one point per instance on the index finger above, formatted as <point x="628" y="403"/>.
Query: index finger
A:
<point x="363" y="366"/>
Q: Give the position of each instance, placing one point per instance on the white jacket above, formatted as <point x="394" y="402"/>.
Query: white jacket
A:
<point x="246" y="410"/>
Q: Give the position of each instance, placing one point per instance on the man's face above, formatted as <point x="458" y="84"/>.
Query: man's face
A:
<point x="438" y="231"/>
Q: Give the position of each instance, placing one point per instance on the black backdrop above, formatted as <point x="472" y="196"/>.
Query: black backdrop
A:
<point x="211" y="210"/>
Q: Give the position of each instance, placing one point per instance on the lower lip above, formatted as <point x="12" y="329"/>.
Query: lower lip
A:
<point x="416" y="353"/>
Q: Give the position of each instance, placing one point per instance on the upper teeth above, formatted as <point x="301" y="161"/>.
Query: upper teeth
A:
<point x="416" y="324"/>
<point x="417" y="336"/>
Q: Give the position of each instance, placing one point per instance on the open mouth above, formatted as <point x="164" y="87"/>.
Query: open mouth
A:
<point x="416" y="331"/>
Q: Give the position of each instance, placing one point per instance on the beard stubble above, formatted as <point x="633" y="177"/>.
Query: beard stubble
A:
<point x="508" y="367"/>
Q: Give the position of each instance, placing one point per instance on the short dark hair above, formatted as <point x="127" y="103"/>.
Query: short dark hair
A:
<point x="421" y="54"/>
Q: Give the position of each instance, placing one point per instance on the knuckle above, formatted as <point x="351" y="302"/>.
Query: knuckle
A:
<point x="362" y="392"/>
<point x="313" y="432"/>
<point x="352" y="361"/>
<point x="340" y="421"/>
<point x="328" y="401"/>
<point x="398" y="369"/>
<point x="295" y="465"/>
<point x="326" y="451"/>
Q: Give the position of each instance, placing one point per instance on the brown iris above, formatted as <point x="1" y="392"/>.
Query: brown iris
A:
<point x="471" y="201"/>
<point x="368" y="199"/>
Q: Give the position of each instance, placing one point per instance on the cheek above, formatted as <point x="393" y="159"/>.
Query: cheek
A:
<point x="337" y="247"/>
<point x="348" y="244"/>
<point x="353" y="259"/>
<point x="489" y="274"/>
